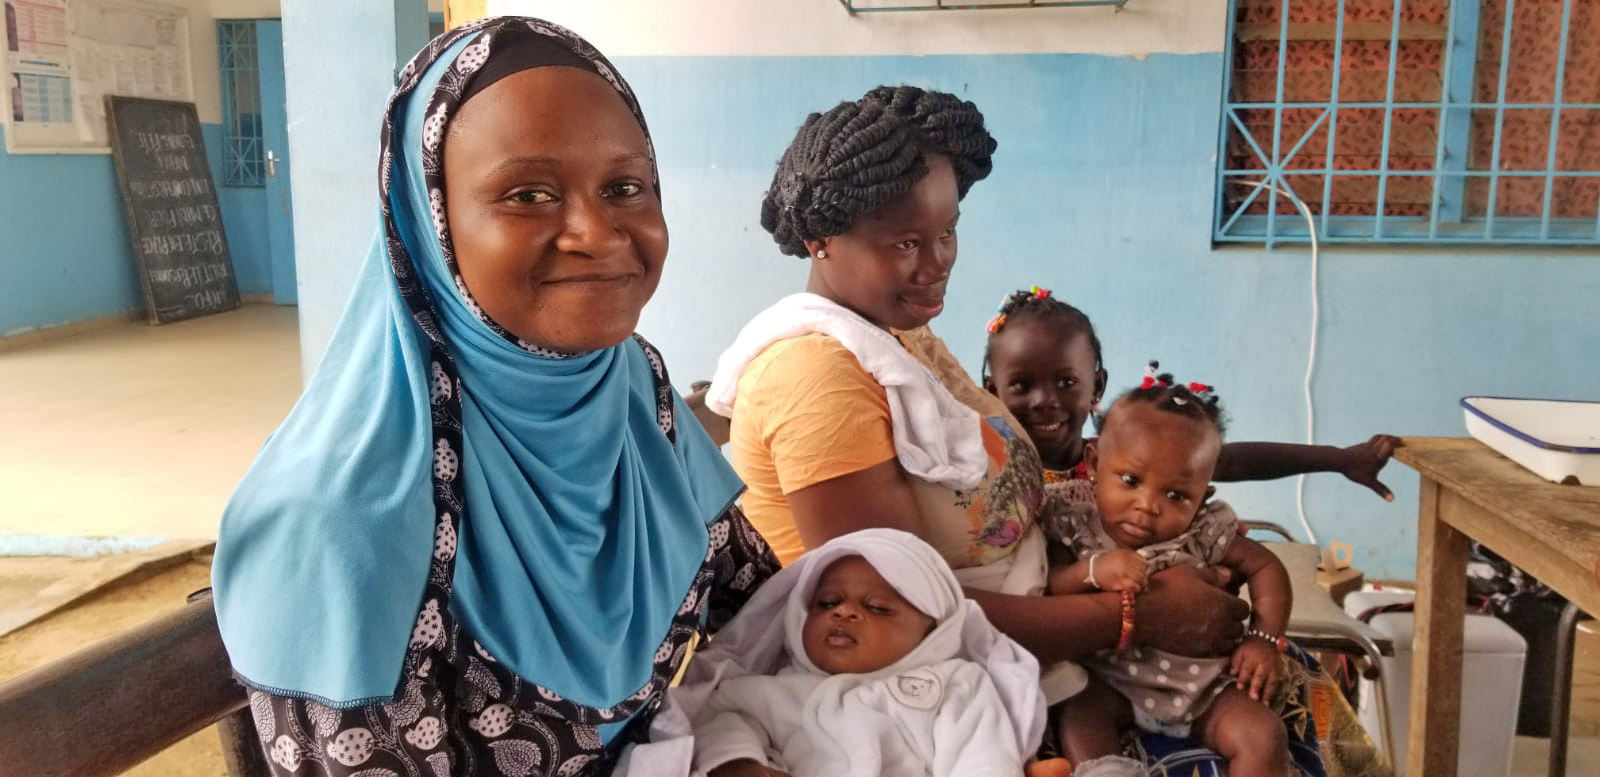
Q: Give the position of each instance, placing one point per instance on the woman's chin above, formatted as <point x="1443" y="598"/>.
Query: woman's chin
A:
<point x="584" y="340"/>
<point x="921" y="311"/>
<point x="905" y="322"/>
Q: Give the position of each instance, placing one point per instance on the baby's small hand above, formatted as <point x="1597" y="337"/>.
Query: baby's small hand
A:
<point x="1119" y="570"/>
<point x="1258" y="667"/>
<point x="1363" y="462"/>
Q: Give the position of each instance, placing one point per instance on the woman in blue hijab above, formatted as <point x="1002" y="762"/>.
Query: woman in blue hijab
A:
<point x="487" y="536"/>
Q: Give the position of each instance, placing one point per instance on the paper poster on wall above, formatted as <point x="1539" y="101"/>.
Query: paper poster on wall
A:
<point x="64" y="57"/>
<point x="37" y="29"/>
<point x="41" y="99"/>
<point x="38" y="73"/>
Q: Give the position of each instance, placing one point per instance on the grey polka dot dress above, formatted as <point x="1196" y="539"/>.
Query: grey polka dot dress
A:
<point x="1167" y="691"/>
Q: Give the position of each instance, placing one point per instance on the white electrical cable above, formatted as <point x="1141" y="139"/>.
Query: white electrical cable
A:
<point x="1311" y="353"/>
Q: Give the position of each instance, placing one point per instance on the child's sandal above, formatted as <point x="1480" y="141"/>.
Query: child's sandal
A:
<point x="1049" y="767"/>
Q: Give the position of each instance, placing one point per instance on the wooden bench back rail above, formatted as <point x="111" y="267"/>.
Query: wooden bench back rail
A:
<point x="106" y="708"/>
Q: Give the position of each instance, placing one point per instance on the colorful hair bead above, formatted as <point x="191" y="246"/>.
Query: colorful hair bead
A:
<point x="1150" y="377"/>
<point x="1037" y="303"/>
<point x="1011" y="301"/>
<point x="1194" y="399"/>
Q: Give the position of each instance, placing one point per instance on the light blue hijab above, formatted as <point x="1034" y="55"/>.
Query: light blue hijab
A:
<point x="578" y="525"/>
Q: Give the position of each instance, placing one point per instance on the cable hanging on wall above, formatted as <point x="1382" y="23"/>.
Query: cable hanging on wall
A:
<point x="1311" y="351"/>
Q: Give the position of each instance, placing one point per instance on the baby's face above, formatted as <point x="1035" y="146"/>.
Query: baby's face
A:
<point x="1152" y="472"/>
<point x="857" y="623"/>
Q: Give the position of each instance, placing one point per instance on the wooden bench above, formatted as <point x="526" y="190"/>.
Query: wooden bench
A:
<point x="105" y="709"/>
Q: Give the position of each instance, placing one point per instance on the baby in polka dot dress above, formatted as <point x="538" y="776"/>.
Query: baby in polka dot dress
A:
<point x="1151" y="509"/>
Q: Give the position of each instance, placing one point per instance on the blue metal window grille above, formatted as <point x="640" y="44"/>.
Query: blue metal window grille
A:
<point x="878" y="6"/>
<point x="242" y="150"/>
<point x="1411" y="121"/>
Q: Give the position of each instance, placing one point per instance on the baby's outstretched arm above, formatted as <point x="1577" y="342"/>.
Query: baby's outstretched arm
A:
<point x="1110" y="570"/>
<point x="1257" y="662"/>
<point x="1361" y="463"/>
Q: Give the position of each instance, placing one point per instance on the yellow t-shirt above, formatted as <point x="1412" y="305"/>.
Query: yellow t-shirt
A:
<point x="807" y="411"/>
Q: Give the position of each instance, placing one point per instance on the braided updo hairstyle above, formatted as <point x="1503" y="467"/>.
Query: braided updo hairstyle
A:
<point x="856" y="157"/>
<point x="1196" y="401"/>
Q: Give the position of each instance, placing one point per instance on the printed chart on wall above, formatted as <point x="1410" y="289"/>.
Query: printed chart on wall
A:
<point x="63" y="57"/>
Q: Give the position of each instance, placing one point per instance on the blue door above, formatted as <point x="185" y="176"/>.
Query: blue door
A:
<point x="275" y="137"/>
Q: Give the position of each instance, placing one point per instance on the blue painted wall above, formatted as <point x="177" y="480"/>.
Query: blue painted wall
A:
<point x="1103" y="191"/>
<point x="66" y="255"/>
<point x="333" y="142"/>
<point x="244" y="215"/>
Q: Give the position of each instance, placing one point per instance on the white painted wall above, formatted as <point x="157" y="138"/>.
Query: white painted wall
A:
<point x="202" y="57"/>
<point x="203" y="16"/>
<point x="824" y="28"/>
<point x="333" y="141"/>
<point x="245" y="9"/>
<point x="271" y="9"/>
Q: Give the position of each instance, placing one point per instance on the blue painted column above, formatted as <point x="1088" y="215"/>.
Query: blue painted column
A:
<point x="340" y="61"/>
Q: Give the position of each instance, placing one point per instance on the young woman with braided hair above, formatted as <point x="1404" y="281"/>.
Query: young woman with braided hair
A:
<point x="852" y="414"/>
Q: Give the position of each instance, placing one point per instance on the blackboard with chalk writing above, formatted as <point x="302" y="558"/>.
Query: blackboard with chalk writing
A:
<point x="171" y="208"/>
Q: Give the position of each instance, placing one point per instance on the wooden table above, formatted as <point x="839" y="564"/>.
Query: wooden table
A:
<point x="1551" y="531"/>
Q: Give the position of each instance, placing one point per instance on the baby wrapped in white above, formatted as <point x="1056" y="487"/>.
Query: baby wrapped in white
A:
<point x="965" y="700"/>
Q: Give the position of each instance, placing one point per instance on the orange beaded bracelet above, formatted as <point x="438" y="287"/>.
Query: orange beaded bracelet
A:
<point x="1125" y="639"/>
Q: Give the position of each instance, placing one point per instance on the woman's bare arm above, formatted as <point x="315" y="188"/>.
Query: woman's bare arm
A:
<point x="1182" y="611"/>
<point x="878" y="497"/>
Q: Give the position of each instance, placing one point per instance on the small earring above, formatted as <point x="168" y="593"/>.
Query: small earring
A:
<point x="822" y="253"/>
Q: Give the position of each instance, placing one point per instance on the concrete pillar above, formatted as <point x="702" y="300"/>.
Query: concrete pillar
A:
<point x="340" y="60"/>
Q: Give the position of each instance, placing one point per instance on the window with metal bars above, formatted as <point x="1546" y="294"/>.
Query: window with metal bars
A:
<point x="242" y="149"/>
<point x="1411" y="121"/>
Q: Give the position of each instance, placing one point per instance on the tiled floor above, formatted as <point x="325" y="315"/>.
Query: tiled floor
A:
<point x="135" y="430"/>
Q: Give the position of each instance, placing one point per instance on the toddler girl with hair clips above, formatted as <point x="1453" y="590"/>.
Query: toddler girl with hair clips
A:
<point x="1043" y="361"/>
<point x="863" y="658"/>
<point x="1150" y="472"/>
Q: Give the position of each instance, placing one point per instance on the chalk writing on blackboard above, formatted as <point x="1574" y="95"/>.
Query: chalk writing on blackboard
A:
<point x="173" y="219"/>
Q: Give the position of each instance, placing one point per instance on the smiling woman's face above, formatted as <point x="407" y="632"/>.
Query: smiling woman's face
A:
<point x="549" y="193"/>
<point x="892" y="265"/>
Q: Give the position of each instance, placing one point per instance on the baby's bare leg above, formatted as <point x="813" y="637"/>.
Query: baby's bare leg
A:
<point x="1092" y="722"/>
<point x="1247" y="733"/>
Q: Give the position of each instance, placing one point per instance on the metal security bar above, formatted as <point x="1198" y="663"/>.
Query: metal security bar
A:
<point x="242" y="162"/>
<point x="1411" y="121"/>
<point x="879" y="6"/>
